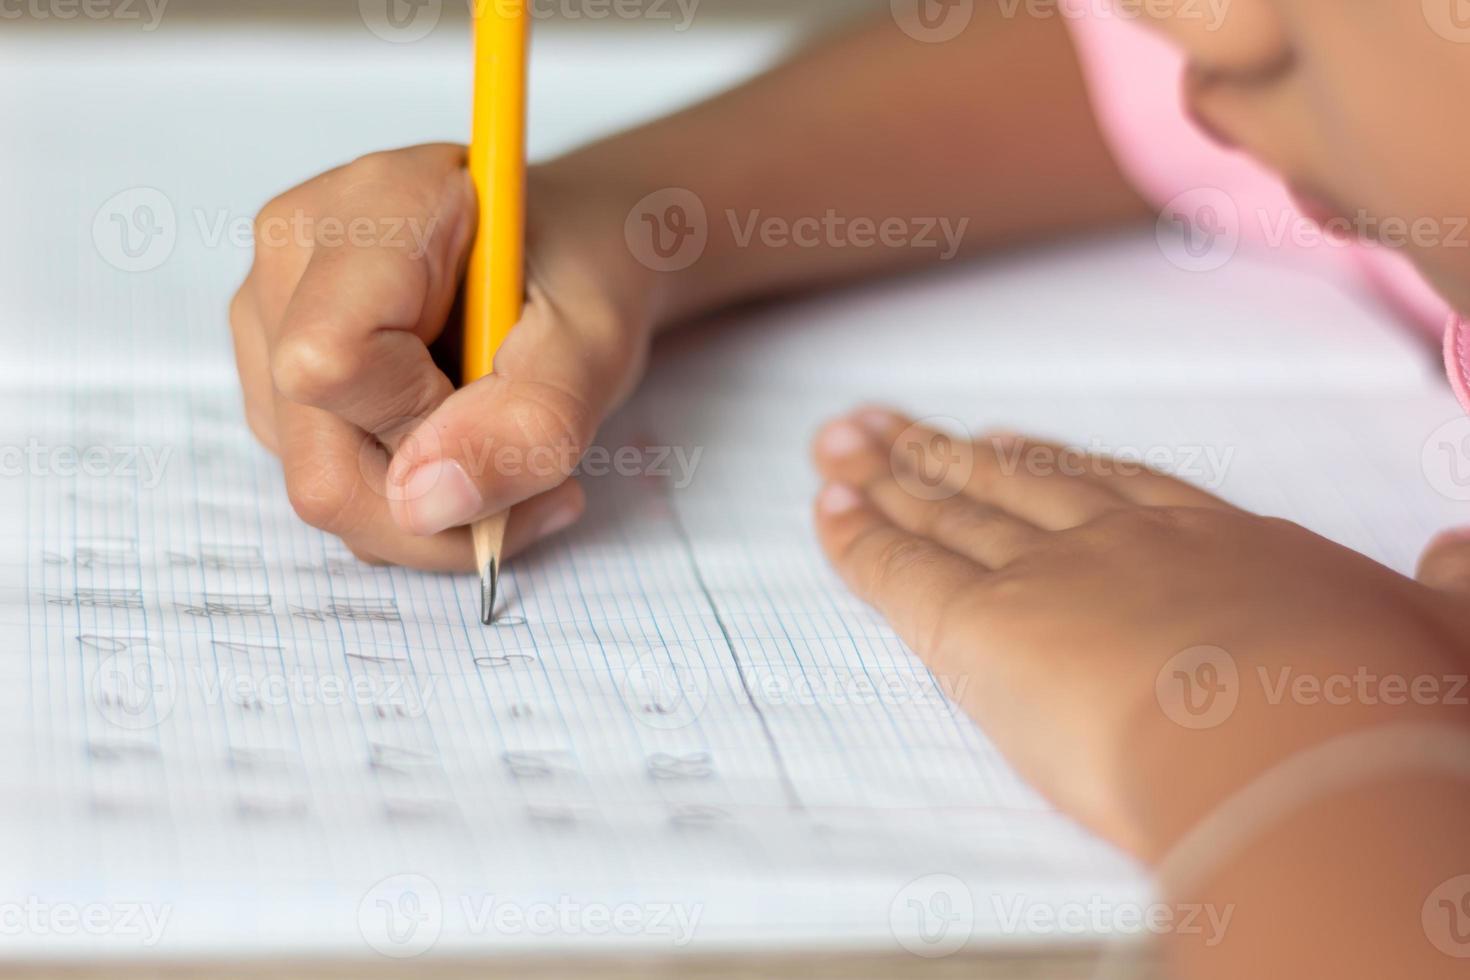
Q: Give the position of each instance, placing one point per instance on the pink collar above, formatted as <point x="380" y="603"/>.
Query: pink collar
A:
<point x="1457" y="358"/>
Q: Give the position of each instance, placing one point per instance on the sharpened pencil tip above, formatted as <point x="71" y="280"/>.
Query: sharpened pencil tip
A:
<point x="489" y="582"/>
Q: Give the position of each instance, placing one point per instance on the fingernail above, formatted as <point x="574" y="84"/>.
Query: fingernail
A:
<point x="439" y="495"/>
<point x="558" y="521"/>
<point x="842" y="439"/>
<point x="879" y="421"/>
<point x="838" y="498"/>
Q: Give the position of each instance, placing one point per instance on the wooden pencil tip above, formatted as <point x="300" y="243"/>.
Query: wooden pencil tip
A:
<point x="489" y="584"/>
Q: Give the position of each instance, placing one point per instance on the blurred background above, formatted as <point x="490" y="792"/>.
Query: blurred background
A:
<point x="589" y="45"/>
<point x="216" y="106"/>
<point x="558" y="12"/>
<point x="196" y="112"/>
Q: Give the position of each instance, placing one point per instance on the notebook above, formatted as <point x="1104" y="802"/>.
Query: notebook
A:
<point x="229" y="738"/>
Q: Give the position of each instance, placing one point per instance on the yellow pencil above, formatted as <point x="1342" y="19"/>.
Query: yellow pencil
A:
<point x="495" y="287"/>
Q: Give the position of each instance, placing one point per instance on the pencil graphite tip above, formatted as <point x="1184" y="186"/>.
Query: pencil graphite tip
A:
<point x="489" y="583"/>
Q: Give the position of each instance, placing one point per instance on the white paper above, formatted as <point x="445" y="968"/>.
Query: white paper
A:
<point x="218" y="711"/>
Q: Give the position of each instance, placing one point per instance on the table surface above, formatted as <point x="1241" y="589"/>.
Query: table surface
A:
<point x="1040" y="965"/>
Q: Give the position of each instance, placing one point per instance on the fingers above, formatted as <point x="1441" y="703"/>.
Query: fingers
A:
<point x="994" y="471"/>
<point x="1052" y="486"/>
<point x="1133" y="481"/>
<point x="335" y="473"/>
<point x="355" y="275"/>
<point x="354" y="337"/>
<point x="517" y="433"/>
<point x="531" y="524"/>
<point x="543" y="517"/>
<point x="914" y="582"/>
<point x="986" y="535"/>
<point x="1445" y="564"/>
<point x="335" y="478"/>
<point x="991" y="501"/>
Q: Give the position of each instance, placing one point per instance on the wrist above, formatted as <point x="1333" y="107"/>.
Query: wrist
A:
<point x="1177" y="770"/>
<point x="577" y="239"/>
<point x="642" y="240"/>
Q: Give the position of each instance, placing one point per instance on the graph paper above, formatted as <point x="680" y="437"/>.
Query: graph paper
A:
<point x="216" y="710"/>
<point x="216" y="714"/>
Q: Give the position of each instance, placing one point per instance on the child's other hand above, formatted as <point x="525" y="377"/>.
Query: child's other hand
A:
<point x="355" y="276"/>
<point x="1052" y="592"/>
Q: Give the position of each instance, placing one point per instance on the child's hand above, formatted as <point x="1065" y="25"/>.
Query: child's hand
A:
<point x="355" y="276"/>
<point x="1052" y="591"/>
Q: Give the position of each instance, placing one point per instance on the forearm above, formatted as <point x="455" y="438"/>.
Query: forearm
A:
<point x="1305" y="718"/>
<point x="870" y="153"/>
<point x="1312" y="823"/>
<point x="1355" y="885"/>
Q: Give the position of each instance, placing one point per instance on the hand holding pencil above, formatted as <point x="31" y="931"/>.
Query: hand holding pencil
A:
<point x="335" y="341"/>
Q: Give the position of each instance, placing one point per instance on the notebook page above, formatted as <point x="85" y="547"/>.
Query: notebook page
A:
<point x="222" y="714"/>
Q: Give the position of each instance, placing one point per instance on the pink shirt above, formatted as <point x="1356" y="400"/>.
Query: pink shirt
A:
<point x="1135" y="78"/>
